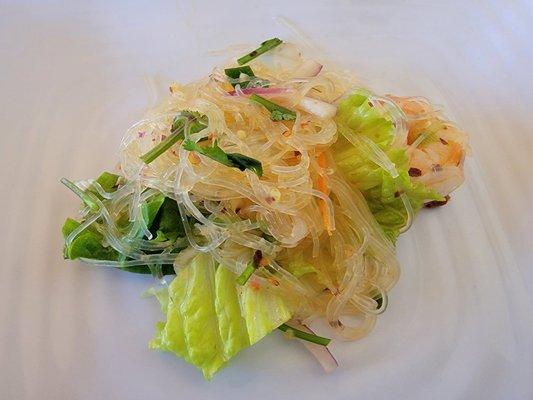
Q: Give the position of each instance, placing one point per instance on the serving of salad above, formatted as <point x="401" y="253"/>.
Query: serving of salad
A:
<point x="264" y="197"/>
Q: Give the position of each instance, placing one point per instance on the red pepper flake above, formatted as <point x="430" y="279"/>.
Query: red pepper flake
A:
<point x="254" y="285"/>
<point x="437" y="203"/>
<point x="258" y="256"/>
<point x="273" y="281"/>
<point x="335" y="324"/>
<point x="397" y="194"/>
<point x="141" y="134"/>
<point x="443" y="141"/>
<point x="415" y="172"/>
<point x="163" y="137"/>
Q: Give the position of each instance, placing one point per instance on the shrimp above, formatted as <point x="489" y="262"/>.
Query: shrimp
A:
<point x="436" y="147"/>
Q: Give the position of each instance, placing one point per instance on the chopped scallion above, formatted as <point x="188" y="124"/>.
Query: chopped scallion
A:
<point x="236" y="72"/>
<point x="246" y="274"/>
<point x="309" y="337"/>
<point x="265" y="46"/>
<point x="197" y="122"/>
<point x="277" y="112"/>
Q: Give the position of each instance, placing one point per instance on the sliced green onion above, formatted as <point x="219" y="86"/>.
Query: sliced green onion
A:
<point x="265" y="46"/>
<point x="246" y="274"/>
<point x="304" y="335"/>
<point x="197" y="123"/>
<point x="234" y="75"/>
<point x="250" y="268"/>
<point x="278" y="113"/>
<point x="86" y="197"/>
<point x="236" y="72"/>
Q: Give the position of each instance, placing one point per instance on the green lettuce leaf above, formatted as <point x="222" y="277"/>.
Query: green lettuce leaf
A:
<point x="210" y="318"/>
<point x="356" y="116"/>
<point x="87" y="244"/>
<point x="160" y="214"/>
<point x="167" y="224"/>
<point x="108" y="181"/>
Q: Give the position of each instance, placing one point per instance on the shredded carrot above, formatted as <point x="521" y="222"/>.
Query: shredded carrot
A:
<point x="194" y="159"/>
<point x="322" y="184"/>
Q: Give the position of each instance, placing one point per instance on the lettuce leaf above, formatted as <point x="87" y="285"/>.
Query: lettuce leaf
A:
<point x="167" y="224"/>
<point x="87" y="244"/>
<point x="357" y="116"/>
<point x="209" y="318"/>
<point x="160" y="214"/>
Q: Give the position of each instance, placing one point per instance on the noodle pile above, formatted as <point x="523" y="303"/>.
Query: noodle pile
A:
<point x="322" y="250"/>
<point x="236" y="212"/>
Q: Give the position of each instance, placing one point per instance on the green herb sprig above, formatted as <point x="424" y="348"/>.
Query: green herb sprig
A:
<point x="277" y="112"/>
<point x="196" y="121"/>
<point x="250" y="268"/>
<point x="234" y="160"/>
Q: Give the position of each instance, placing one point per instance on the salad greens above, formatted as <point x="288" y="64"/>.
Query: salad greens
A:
<point x="194" y="228"/>
<point x="357" y="116"/>
<point x="160" y="214"/>
<point x="88" y="244"/>
<point x="107" y="181"/>
<point x="210" y="318"/>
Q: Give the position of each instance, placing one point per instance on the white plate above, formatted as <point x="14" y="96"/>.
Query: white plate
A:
<point x="73" y="77"/>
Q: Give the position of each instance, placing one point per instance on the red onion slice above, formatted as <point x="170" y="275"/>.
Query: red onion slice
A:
<point x="321" y="353"/>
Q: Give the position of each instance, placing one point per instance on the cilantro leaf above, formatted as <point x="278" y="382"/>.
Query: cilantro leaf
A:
<point x="234" y="160"/>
